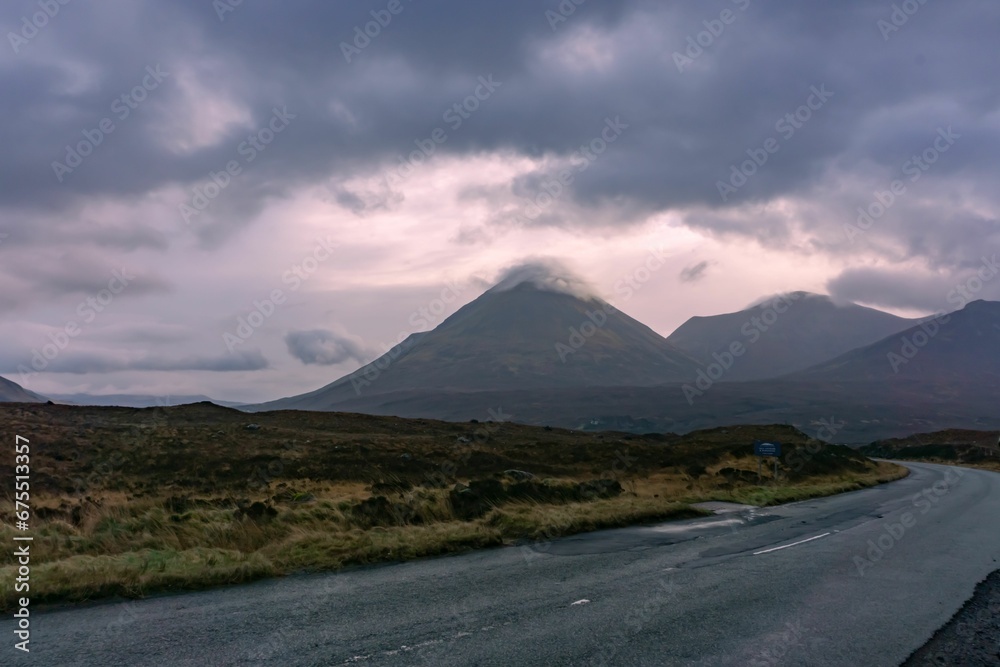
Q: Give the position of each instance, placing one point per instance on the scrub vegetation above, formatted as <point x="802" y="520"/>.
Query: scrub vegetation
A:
<point x="128" y="502"/>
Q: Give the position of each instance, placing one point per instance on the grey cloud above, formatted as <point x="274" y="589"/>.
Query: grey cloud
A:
<point x="241" y="360"/>
<point x="694" y="273"/>
<point x="610" y="59"/>
<point x="146" y="333"/>
<point x="52" y="275"/>
<point x="326" y="348"/>
<point x="126" y="237"/>
<point x="105" y="362"/>
<point x="361" y="201"/>
<point x="26" y="231"/>
<point x="686" y="128"/>
<point x="895" y="288"/>
<point x="545" y="273"/>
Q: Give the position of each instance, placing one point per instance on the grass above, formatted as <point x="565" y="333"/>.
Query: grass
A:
<point x="134" y="549"/>
<point x="355" y="490"/>
<point x="961" y="447"/>
<point x="764" y="496"/>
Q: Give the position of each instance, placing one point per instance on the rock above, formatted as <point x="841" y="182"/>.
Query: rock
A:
<point x="476" y="499"/>
<point x="253" y="427"/>
<point x="599" y="488"/>
<point x="257" y="511"/>
<point x="518" y="475"/>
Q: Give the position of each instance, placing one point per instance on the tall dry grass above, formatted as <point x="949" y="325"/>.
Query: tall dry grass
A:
<point x="120" y="545"/>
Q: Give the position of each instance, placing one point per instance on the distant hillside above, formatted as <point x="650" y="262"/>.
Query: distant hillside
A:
<point x="516" y="337"/>
<point x="11" y="392"/>
<point x="962" y="348"/>
<point x="958" y="446"/>
<point x="137" y="400"/>
<point x="785" y="334"/>
<point x="860" y="412"/>
<point x="498" y="356"/>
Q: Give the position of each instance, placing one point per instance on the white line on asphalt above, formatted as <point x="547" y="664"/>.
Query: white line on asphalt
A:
<point x="767" y="551"/>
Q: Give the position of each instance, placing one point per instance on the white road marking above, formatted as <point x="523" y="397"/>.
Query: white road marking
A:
<point x="583" y="601"/>
<point x="767" y="551"/>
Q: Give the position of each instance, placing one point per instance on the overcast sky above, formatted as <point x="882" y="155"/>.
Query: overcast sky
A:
<point x="367" y="176"/>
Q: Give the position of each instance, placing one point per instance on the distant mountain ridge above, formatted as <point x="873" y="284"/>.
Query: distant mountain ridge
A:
<point x="137" y="400"/>
<point x="959" y="347"/>
<point x="784" y="334"/>
<point x="564" y="358"/>
<point x="11" y="392"/>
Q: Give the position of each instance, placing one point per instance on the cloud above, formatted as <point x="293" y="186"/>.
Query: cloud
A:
<point x="104" y="362"/>
<point x="687" y="129"/>
<point x="52" y="274"/>
<point x="546" y="274"/>
<point x="326" y="348"/>
<point x="694" y="273"/>
<point x="241" y="360"/>
<point x="892" y="288"/>
<point x="530" y="141"/>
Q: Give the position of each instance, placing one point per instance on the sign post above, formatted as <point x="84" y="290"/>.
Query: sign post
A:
<point x="762" y="449"/>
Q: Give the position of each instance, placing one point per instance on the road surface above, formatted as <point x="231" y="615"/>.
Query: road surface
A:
<point x="862" y="578"/>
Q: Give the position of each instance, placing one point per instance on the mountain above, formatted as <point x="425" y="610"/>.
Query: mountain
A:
<point x="518" y="335"/>
<point x="499" y="358"/>
<point x="11" y="392"/>
<point x="784" y="334"/>
<point x="961" y="349"/>
<point x="137" y="400"/>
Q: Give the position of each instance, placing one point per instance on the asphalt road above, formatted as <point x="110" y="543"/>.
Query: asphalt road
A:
<point x="737" y="589"/>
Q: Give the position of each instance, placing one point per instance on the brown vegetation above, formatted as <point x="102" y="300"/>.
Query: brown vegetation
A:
<point x="130" y="501"/>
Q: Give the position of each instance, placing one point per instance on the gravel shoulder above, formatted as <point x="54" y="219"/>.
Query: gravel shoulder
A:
<point x="972" y="637"/>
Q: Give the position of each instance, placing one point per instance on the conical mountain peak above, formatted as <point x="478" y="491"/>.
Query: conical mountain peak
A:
<point x="539" y="327"/>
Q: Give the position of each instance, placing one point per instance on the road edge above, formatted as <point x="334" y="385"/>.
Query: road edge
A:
<point x="965" y="638"/>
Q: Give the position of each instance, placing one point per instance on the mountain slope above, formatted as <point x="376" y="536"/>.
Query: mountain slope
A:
<point x="11" y="392"/>
<point x="786" y="334"/>
<point x="962" y="348"/>
<point x="523" y="336"/>
<point x="952" y="382"/>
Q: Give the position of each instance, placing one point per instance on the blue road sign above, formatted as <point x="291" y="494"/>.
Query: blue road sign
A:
<point x="767" y="448"/>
